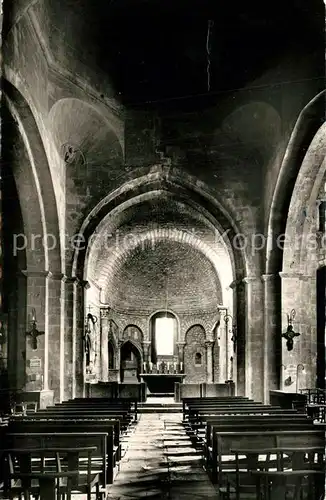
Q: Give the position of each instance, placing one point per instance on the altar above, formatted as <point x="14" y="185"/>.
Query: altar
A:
<point x="161" y="383"/>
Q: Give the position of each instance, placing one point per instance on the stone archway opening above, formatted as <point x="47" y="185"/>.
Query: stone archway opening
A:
<point x="161" y="250"/>
<point x="130" y="365"/>
<point x="321" y="326"/>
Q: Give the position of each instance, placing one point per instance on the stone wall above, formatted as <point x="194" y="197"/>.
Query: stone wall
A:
<point x="194" y="355"/>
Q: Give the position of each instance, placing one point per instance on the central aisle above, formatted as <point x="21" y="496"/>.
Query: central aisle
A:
<point x="160" y="463"/>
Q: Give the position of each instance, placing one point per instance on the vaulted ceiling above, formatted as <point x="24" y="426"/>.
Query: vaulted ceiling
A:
<point x="152" y="50"/>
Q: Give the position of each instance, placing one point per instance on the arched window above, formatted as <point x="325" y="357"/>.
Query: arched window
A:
<point x="111" y="355"/>
<point x="198" y="359"/>
<point x="164" y="331"/>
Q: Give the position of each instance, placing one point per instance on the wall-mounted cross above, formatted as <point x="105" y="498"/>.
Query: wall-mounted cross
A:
<point x="290" y="333"/>
<point x="34" y="332"/>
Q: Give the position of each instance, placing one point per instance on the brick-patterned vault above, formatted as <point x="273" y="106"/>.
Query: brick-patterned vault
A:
<point x="160" y="274"/>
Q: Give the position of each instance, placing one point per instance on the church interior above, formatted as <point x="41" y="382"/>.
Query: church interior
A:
<point x="163" y="264"/>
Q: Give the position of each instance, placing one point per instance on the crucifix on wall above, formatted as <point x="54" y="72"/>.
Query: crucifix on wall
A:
<point x="34" y="332"/>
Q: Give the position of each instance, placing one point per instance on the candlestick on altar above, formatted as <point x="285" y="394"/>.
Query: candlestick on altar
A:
<point x="150" y="366"/>
<point x="181" y="366"/>
<point x="144" y="364"/>
<point x="175" y="367"/>
<point x="168" y="367"/>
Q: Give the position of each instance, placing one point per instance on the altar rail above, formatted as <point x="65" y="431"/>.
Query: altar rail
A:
<point x="203" y="390"/>
<point x="122" y="391"/>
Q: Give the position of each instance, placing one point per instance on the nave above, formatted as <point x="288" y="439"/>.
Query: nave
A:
<point x="161" y="463"/>
<point x="221" y="448"/>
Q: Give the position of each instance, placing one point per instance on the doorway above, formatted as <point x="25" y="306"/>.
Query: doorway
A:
<point x="130" y="363"/>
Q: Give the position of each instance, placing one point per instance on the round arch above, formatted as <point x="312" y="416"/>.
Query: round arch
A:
<point x="147" y="240"/>
<point x="186" y="188"/>
<point x="133" y="332"/>
<point x="131" y="361"/>
<point x="171" y="181"/>
<point x="195" y="325"/>
<point x="304" y="132"/>
<point x="169" y="311"/>
<point x="174" y="334"/>
<point x="43" y="219"/>
<point x="303" y="205"/>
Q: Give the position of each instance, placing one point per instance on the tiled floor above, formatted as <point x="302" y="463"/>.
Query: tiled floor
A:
<point x="160" y="463"/>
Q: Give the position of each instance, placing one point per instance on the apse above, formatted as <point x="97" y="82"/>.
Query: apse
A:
<point x="163" y="275"/>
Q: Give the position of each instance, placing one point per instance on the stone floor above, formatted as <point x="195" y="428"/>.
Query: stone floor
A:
<point x="160" y="463"/>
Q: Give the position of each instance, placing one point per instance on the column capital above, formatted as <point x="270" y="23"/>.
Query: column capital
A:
<point x="181" y="344"/>
<point x="209" y="343"/>
<point x="268" y="277"/>
<point x="307" y="277"/>
<point x="105" y="312"/>
<point x="249" y="279"/>
<point x="76" y="280"/>
<point x="146" y="342"/>
<point x="223" y="312"/>
<point x="35" y="274"/>
<point x="296" y="276"/>
<point x="57" y="276"/>
<point x="69" y="279"/>
<point x="291" y="276"/>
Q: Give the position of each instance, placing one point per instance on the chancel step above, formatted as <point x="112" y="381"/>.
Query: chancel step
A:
<point x="166" y="405"/>
<point x="160" y="395"/>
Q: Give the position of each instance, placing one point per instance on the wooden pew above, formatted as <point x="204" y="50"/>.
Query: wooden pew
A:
<point x="263" y="426"/>
<point x="202" y="416"/>
<point x="277" y="484"/>
<point x="118" y="422"/>
<point x="124" y="417"/>
<point x="118" y="418"/>
<point x="268" y="459"/>
<point x="43" y="466"/>
<point x="196" y="406"/>
<point x="189" y="401"/>
<point x="68" y="441"/>
<point x="72" y="427"/>
<point x="214" y="422"/>
<point x="131" y="403"/>
<point x="224" y="442"/>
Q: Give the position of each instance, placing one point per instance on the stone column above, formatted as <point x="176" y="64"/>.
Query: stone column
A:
<point x="119" y="344"/>
<point x="105" y="327"/>
<point x="146" y="346"/>
<point x="223" y="346"/>
<point x="181" y="349"/>
<point x="272" y="328"/>
<point x="291" y="286"/>
<point x="20" y="325"/>
<point x="68" y="285"/>
<point x="254" y="337"/>
<point x="78" y="335"/>
<point x="305" y="323"/>
<point x="37" y="360"/>
<point x="58" y="360"/>
<point x="209" y="360"/>
<point x="229" y="350"/>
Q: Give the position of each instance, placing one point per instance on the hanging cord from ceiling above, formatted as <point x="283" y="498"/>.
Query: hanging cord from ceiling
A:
<point x="166" y="292"/>
<point x="210" y="27"/>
